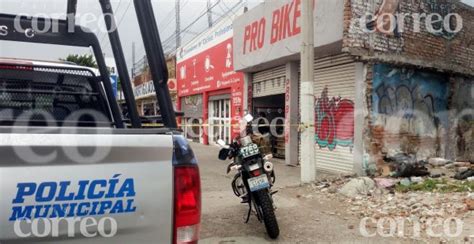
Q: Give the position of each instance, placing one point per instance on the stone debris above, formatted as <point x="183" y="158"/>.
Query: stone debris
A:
<point x="386" y="182"/>
<point x="358" y="186"/>
<point x="416" y="179"/>
<point x="405" y="182"/>
<point x="377" y="199"/>
<point x="438" y="161"/>
<point x="470" y="204"/>
<point x="406" y="166"/>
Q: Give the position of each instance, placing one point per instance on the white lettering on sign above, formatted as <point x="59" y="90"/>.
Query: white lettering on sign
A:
<point x="272" y="31"/>
<point x="144" y="89"/>
<point x="148" y="88"/>
<point x="284" y="24"/>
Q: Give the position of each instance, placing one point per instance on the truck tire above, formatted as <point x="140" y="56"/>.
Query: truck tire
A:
<point x="268" y="214"/>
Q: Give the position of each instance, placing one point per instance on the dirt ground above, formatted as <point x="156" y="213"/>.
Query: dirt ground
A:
<point x="303" y="215"/>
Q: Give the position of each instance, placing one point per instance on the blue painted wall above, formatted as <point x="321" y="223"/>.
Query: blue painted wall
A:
<point x="401" y="92"/>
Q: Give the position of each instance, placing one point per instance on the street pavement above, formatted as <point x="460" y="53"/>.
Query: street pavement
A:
<point x="302" y="219"/>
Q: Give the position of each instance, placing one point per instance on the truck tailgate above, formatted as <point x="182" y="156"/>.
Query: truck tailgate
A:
<point x="129" y="181"/>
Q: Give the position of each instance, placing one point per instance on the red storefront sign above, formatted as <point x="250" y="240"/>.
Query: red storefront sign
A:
<point x="211" y="71"/>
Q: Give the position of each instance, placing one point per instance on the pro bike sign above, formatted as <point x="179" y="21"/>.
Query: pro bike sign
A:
<point x="272" y="30"/>
<point x="49" y="204"/>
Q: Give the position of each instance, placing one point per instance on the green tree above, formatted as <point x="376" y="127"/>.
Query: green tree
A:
<point x="82" y="60"/>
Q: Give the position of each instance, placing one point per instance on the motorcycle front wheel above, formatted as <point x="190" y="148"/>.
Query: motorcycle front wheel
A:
<point x="265" y="203"/>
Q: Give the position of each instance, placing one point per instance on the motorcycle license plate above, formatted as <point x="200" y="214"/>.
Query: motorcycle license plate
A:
<point x="249" y="150"/>
<point x="258" y="183"/>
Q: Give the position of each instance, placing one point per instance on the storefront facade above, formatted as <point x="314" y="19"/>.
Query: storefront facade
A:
<point x="210" y="92"/>
<point x="144" y="89"/>
<point x="145" y="97"/>
<point x="367" y="86"/>
<point x="267" y="43"/>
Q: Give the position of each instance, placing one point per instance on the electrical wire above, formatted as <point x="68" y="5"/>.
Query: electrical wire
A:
<point x="115" y="11"/>
<point x="168" y="42"/>
<point x="120" y="22"/>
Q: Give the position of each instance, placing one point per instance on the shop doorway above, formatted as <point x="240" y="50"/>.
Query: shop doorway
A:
<point x="219" y="120"/>
<point x="149" y="109"/>
<point x="270" y="112"/>
<point x="192" y="129"/>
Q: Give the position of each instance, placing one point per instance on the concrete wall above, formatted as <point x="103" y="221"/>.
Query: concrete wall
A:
<point x="441" y="50"/>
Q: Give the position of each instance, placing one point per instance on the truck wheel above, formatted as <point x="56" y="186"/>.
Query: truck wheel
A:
<point x="267" y="210"/>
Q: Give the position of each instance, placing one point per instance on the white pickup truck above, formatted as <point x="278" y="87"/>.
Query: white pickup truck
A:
<point x="72" y="169"/>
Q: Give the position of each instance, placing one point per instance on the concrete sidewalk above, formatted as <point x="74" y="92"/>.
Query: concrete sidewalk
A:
<point x="303" y="216"/>
<point x="213" y="170"/>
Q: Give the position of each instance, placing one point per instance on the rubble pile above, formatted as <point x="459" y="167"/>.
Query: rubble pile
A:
<point x="377" y="200"/>
<point x="414" y="205"/>
<point x="405" y="165"/>
<point x="391" y="197"/>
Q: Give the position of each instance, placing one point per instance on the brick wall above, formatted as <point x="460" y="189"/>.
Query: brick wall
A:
<point x="461" y="133"/>
<point x="145" y="75"/>
<point x="408" y="113"/>
<point x="423" y="49"/>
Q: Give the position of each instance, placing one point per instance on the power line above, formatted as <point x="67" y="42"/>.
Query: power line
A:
<point x="178" y="22"/>
<point x="169" y="18"/>
<point x="120" y="21"/>
<point x="209" y="13"/>
<point x="168" y="42"/>
<point x="115" y="11"/>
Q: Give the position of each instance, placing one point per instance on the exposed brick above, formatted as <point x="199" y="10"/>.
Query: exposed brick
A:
<point x="421" y="49"/>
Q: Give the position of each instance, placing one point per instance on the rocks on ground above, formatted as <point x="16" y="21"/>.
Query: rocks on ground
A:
<point x="378" y="198"/>
<point x="358" y="186"/>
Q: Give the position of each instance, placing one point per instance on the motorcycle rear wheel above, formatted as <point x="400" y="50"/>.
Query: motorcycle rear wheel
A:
<point x="265" y="204"/>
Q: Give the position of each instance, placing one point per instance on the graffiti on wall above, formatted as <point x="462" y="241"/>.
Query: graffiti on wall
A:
<point x="416" y="98"/>
<point x="334" y="121"/>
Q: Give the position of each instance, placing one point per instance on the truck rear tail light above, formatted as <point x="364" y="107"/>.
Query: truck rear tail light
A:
<point x="187" y="209"/>
<point x="15" y="67"/>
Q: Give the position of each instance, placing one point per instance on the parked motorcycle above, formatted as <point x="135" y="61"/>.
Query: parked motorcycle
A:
<point x="254" y="178"/>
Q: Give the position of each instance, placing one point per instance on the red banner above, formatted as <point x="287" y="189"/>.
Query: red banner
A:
<point x="212" y="70"/>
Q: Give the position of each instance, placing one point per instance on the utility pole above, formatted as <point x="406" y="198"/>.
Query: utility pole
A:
<point x="133" y="59"/>
<point x="308" y="161"/>
<point x="209" y="13"/>
<point x="178" y="23"/>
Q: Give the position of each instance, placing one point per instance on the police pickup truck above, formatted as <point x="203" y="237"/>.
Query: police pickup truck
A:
<point x="72" y="168"/>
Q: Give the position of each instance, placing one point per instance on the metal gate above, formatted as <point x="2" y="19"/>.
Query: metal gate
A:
<point x="269" y="82"/>
<point x="334" y="89"/>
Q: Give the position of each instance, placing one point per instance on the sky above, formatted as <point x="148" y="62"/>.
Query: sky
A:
<point x="125" y="15"/>
<point x="470" y="2"/>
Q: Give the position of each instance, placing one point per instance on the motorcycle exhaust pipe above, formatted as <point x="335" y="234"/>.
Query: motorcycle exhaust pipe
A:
<point x="268" y="166"/>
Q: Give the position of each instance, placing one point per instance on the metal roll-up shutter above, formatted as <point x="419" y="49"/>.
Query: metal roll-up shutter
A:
<point x="334" y="89"/>
<point x="219" y="97"/>
<point x="192" y="106"/>
<point x="269" y="82"/>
